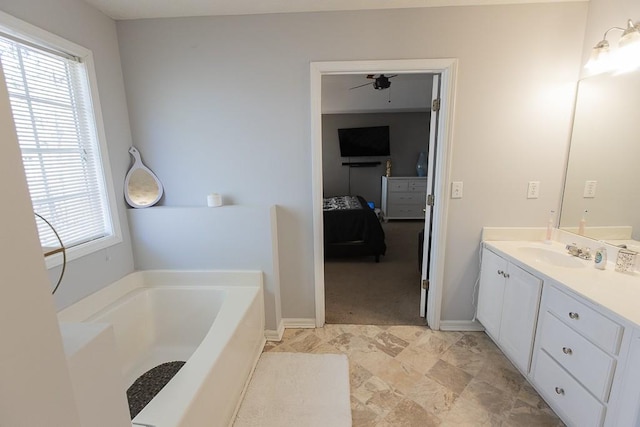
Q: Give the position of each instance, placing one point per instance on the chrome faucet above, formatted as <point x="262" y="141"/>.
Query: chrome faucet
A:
<point x="574" y="250"/>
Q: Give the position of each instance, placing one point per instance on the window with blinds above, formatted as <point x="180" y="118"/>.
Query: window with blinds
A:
<point x="51" y="104"/>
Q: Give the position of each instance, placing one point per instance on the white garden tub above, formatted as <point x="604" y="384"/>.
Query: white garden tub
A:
<point x="212" y="320"/>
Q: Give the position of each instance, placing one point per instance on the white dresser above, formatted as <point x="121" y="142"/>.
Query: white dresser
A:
<point x="403" y="197"/>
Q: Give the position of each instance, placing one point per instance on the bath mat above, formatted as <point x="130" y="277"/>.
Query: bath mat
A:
<point x="149" y="384"/>
<point x="297" y="389"/>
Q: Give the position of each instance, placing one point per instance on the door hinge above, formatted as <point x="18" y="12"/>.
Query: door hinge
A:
<point x="425" y="284"/>
<point x="430" y="200"/>
<point x="435" y="105"/>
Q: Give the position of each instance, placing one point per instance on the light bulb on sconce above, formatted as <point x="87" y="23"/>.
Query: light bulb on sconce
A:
<point x="625" y="58"/>
<point x="631" y="35"/>
<point x="629" y="47"/>
<point x="600" y="59"/>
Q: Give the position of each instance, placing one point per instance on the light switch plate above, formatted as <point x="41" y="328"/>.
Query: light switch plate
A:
<point x="456" y="190"/>
<point x="534" y="190"/>
<point x="590" y="189"/>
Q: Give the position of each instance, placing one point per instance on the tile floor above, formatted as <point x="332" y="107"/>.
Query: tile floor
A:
<point x="413" y="376"/>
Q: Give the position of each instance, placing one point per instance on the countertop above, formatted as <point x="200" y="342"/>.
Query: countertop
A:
<point x="615" y="291"/>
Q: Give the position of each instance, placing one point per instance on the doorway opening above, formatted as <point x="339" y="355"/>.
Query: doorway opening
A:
<point x="432" y="268"/>
<point x="375" y="140"/>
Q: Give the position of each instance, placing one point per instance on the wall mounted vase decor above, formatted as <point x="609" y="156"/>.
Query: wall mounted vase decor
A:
<point x="142" y="188"/>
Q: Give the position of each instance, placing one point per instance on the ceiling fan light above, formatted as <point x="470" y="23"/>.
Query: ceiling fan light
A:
<point x="381" y="82"/>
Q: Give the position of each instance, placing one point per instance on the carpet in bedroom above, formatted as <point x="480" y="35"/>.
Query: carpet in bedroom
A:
<point x="361" y="292"/>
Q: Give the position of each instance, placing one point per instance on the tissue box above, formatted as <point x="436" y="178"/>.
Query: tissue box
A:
<point x="626" y="260"/>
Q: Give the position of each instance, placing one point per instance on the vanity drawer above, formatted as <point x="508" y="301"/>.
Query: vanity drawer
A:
<point x="408" y="198"/>
<point x="587" y="363"/>
<point x="601" y="330"/>
<point x="565" y="395"/>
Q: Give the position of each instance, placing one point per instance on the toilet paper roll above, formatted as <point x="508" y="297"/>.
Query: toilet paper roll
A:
<point x="214" y="200"/>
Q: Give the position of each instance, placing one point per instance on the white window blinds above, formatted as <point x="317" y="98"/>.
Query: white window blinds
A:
<point x="56" y="130"/>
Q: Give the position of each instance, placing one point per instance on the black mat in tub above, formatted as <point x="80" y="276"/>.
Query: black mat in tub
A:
<point x="149" y="384"/>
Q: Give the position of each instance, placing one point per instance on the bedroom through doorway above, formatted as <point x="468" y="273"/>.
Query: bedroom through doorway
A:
<point x="367" y="129"/>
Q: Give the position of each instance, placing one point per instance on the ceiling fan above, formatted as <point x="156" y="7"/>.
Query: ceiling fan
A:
<point x="379" y="83"/>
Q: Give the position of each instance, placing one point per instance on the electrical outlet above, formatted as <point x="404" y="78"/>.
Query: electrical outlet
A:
<point x="456" y="190"/>
<point x="534" y="190"/>
<point x="590" y="189"/>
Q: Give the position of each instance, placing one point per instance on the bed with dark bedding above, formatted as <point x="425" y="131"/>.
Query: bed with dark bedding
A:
<point x="351" y="228"/>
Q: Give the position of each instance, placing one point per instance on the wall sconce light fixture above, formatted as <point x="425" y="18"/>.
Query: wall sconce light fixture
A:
<point x="625" y="58"/>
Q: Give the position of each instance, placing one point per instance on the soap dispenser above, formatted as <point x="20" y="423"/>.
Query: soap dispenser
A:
<point x="547" y="239"/>
<point x="600" y="258"/>
<point x="583" y="223"/>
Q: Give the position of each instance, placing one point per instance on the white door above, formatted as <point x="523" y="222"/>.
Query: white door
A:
<point x="428" y="213"/>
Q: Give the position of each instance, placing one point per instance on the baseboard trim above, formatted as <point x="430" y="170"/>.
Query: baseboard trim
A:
<point x="305" y="323"/>
<point x="461" y="325"/>
<point x="275" y="335"/>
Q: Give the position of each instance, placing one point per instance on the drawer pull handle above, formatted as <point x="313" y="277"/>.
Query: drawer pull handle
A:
<point x="503" y="274"/>
<point x="567" y="351"/>
<point x="573" y="315"/>
<point x="560" y="391"/>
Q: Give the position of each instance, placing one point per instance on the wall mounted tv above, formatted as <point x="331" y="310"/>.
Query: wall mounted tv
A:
<point x="364" y="142"/>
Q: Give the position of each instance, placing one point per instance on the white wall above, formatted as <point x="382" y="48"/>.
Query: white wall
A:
<point x="223" y="103"/>
<point x="35" y="387"/>
<point x="80" y="23"/>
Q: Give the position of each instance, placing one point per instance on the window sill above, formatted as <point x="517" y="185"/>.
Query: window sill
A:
<point x="81" y="250"/>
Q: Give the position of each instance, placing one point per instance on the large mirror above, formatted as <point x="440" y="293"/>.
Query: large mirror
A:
<point x="603" y="173"/>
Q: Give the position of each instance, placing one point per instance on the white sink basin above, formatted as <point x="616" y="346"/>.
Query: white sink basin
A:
<point x="548" y="256"/>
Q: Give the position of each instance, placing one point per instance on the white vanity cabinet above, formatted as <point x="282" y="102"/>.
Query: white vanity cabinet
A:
<point x="629" y="401"/>
<point x="585" y="355"/>
<point x="508" y="299"/>
<point x="491" y="292"/>
<point x="576" y="355"/>
<point x="403" y="197"/>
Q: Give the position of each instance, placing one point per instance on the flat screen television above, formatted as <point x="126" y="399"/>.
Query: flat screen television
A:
<point x="364" y="142"/>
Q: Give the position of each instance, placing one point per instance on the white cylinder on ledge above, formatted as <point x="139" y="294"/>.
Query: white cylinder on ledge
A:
<point x="214" y="200"/>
